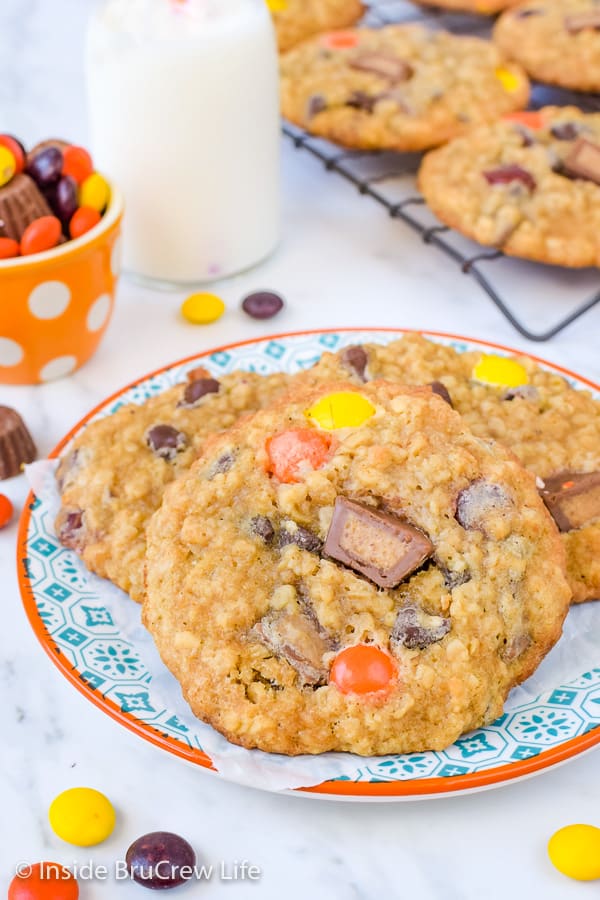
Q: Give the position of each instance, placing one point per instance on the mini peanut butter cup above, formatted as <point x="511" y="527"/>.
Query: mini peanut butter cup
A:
<point x="20" y="204"/>
<point x="16" y="444"/>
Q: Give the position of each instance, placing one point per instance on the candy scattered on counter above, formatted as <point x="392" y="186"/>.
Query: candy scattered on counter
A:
<point x="262" y="304"/>
<point x="363" y="669"/>
<point x="6" y="510"/>
<point x="16" y="444"/>
<point x="202" y="309"/>
<point x="575" y="851"/>
<point x="500" y="371"/>
<point x="82" y="816"/>
<point x="343" y="409"/>
<point x="43" y="881"/>
<point x="47" y="196"/>
<point x="156" y="860"/>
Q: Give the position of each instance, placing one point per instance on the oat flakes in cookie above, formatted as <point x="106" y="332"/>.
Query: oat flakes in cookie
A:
<point x="552" y="428"/>
<point x="400" y="87"/>
<point x="366" y="575"/>
<point x="528" y="185"/>
<point x="113" y="476"/>
<point x="297" y="20"/>
<point x="557" y="41"/>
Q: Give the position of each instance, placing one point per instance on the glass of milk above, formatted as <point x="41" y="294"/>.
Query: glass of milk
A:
<point x="184" y="115"/>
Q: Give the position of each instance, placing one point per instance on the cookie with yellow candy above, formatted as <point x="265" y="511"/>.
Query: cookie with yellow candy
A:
<point x="344" y="582"/>
<point x="297" y="20"/>
<point x="400" y="87"/>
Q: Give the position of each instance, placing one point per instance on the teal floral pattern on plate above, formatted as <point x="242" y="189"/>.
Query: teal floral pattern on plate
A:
<point x="84" y="624"/>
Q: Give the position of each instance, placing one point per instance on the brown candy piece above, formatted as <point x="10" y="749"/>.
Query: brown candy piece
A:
<point x="291" y="533"/>
<point x="197" y="389"/>
<point x="355" y="360"/>
<point x="316" y="104"/>
<point x="16" y="444"/>
<point x="262" y="527"/>
<point x="572" y="499"/>
<point x="477" y="501"/>
<point x="584" y="161"/>
<point x="362" y="100"/>
<point x="21" y="202"/>
<point x="510" y="173"/>
<point x="383" y="64"/>
<point x="165" y="441"/>
<point x="442" y="391"/>
<point x="415" y="629"/>
<point x="299" y="641"/>
<point x="380" y="546"/>
<point x="57" y="143"/>
<point x="580" y="21"/>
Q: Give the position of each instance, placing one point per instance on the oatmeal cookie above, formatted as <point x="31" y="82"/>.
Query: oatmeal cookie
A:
<point x="400" y="87"/>
<point x="552" y="428"/>
<point x="557" y="41"/>
<point x="113" y="476"/>
<point x="297" y="20"/>
<point x="364" y="574"/>
<point x="528" y="185"/>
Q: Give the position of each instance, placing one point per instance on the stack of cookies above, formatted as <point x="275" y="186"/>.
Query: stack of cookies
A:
<point x="349" y="558"/>
<point x="526" y="183"/>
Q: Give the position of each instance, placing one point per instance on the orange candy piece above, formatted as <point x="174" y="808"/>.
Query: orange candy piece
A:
<point x="43" y="881"/>
<point x="363" y="669"/>
<point x="531" y="118"/>
<point x="9" y="248"/>
<point x="293" y="451"/>
<point x="340" y="40"/>
<point x="15" y="148"/>
<point x="41" y="234"/>
<point x="6" y="510"/>
<point x="83" y="220"/>
<point x="77" y="163"/>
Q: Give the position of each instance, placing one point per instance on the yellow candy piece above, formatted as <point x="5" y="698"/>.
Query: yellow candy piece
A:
<point x="94" y="192"/>
<point x="8" y="165"/>
<point x="82" y="816"/>
<point x="500" y="371"/>
<point x="276" y="6"/>
<point x="344" y="409"/>
<point x="201" y="309"/>
<point x="509" y="81"/>
<point x="575" y="851"/>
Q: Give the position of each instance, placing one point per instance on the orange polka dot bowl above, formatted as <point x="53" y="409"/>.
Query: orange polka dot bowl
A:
<point x="55" y="306"/>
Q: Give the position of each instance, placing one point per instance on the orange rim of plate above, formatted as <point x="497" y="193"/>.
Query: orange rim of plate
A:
<point x="418" y="787"/>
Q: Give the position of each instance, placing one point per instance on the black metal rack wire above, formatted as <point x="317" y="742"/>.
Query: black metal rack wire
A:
<point x="384" y="168"/>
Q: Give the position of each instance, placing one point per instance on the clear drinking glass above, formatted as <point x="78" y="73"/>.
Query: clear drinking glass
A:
<point x="184" y="116"/>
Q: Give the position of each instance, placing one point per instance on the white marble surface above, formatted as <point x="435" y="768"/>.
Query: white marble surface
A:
<point x="341" y="262"/>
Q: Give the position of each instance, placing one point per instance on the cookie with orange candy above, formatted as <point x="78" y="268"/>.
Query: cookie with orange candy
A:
<point x="297" y="20"/>
<point x="553" y="428"/>
<point x="401" y="87"/>
<point x="47" y="196"/>
<point x="352" y="569"/>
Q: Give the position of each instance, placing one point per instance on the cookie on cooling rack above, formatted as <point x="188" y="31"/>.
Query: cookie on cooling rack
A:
<point x="296" y="20"/>
<point x="529" y="185"/>
<point x="353" y="570"/>
<point x="553" y="428"/>
<point x="557" y="41"/>
<point x="401" y="87"/>
<point x="113" y="476"/>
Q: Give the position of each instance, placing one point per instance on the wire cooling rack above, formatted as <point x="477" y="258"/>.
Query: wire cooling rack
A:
<point x="544" y="292"/>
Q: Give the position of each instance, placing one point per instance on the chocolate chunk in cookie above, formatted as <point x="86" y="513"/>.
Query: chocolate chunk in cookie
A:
<point x="355" y="359"/>
<point x="477" y="501"/>
<point x="415" y="629"/>
<point x="71" y="529"/>
<point x="380" y="546"/>
<point x="383" y="64"/>
<point x="573" y="499"/>
<point x="295" y="637"/>
<point x="442" y="391"/>
<point x="262" y="527"/>
<point x="198" y="389"/>
<point x="584" y="161"/>
<point x="291" y="533"/>
<point x="510" y="173"/>
<point x="165" y="441"/>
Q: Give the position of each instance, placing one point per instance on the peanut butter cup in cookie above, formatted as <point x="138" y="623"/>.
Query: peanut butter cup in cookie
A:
<point x="365" y="575"/>
<point x="556" y="41"/>
<point x="529" y="185"/>
<point x="400" y="87"/>
<point x="552" y="428"/>
<point x="297" y="20"/>
<point x="113" y="476"/>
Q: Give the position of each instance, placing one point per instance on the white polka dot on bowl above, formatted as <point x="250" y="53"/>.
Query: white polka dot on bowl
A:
<point x="57" y="368"/>
<point x="49" y="300"/>
<point x="98" y="313"/>
<point x="11" y="353"/>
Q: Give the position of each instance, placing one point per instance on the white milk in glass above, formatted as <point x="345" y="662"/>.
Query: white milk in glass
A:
<point x="184" y="115"/>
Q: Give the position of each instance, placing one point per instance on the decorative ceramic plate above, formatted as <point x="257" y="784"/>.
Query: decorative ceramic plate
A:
<point x="75" y="618"/>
